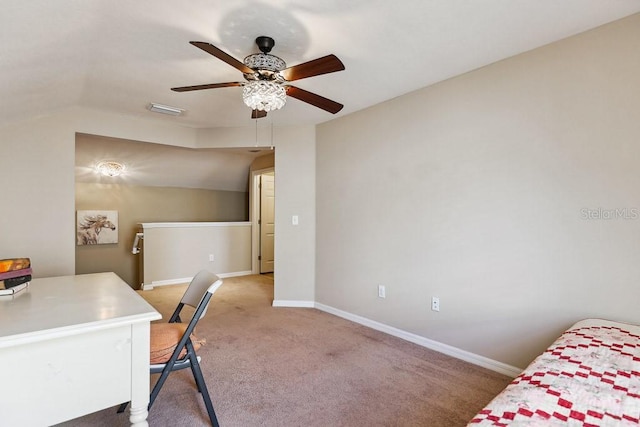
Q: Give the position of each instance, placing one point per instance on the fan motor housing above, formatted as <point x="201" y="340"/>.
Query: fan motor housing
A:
<point x="264" y="61"/>
<point x="264" y="65"/>
<point x="265" y="44"/>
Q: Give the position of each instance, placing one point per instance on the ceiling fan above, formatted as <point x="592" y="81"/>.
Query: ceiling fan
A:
<point x="266" y="87"/>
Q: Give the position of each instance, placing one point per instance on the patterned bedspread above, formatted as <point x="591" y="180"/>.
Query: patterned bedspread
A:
<point x="590" y="376"/>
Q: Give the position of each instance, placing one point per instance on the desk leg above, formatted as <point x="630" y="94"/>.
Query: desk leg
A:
<point x="139" y="374"/>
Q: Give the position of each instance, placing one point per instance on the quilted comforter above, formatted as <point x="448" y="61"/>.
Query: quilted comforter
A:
<point x="590" y="376"/>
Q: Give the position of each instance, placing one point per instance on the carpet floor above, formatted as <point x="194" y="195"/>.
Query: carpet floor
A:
<point x="267" y="366"/>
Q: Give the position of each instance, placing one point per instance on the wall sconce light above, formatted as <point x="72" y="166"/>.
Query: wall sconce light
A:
<point x="110" y="168"/>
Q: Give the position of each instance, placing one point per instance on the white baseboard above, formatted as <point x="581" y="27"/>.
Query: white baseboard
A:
<point x="188" y="279"/>
<point x="476" y="359"/>
<point x="290" y="303"/>
<point x="234" y="274"/>
<point x="155" y="283"/>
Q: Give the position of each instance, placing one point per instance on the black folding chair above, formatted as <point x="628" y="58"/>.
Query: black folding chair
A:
<point x="197" y="295"/>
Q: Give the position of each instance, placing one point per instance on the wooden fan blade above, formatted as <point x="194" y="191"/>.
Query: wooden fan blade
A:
<point x="313" y="99"/>
<point x="324" y="65"/>
<point x="211" y="49"/>
<point x="258" y="114"/>
<point x="208" y="86"/>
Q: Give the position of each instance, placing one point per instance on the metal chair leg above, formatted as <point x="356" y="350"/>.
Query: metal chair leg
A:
<point x="202" y="386"/>
<point x="156" y="388"/>
<point x="194" y="375"/>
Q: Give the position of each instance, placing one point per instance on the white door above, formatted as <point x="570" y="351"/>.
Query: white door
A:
<point x="267" y="222"/>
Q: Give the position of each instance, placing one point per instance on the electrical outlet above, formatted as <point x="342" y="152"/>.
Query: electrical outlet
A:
<point x="382" y="293"/>
<point x="211" y="257"/>
<point x="435" y="303"/>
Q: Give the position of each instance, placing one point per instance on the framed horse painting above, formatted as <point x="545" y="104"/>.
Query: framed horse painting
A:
<point x="97" y="227"/>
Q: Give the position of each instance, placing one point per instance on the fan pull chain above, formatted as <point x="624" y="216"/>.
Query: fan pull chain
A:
<point x="256" y="120"/>
<point x="272" y="133"/>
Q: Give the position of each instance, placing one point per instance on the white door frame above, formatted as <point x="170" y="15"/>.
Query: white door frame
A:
<point x="254" y="214"/>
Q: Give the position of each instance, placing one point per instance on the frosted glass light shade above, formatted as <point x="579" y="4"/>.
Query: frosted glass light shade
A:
<point x="264" y="95"/>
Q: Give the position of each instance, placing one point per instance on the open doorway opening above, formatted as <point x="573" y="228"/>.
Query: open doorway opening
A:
<point x="262" y="217"/>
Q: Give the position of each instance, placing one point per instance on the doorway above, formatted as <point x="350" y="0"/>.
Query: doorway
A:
<point x="267" y="222"/>
<point x="262" y="217"/>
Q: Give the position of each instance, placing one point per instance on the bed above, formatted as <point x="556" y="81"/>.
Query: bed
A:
<point x="590" y="376"/>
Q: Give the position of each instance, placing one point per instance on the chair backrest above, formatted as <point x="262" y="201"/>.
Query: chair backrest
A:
<point x="183" y="353"/>
<point x="203" y="282"/>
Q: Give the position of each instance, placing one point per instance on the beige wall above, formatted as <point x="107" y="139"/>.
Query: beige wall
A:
<point x="264" y="162"/>
<point x="37" y="176"/>
<point x="136" y="204"/>
<point x="295" y="245"/>
<point x="38" y="214"/>
<point x="295" y="195"/>
<point x="174" y="252"/>
<point x="472" y="190"/>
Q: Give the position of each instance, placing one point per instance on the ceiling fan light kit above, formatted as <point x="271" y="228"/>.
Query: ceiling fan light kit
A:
<point x="266" y="87"/>
<point x="264" y="95"/>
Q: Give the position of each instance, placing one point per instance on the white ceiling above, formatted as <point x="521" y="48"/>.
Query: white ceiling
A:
<point x="121" y="55"/>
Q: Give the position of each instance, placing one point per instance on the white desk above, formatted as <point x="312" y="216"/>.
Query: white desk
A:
<point x="73" y="345"/>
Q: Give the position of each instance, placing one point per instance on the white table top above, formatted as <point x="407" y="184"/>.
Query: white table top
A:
<point x="65" y="305"/>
